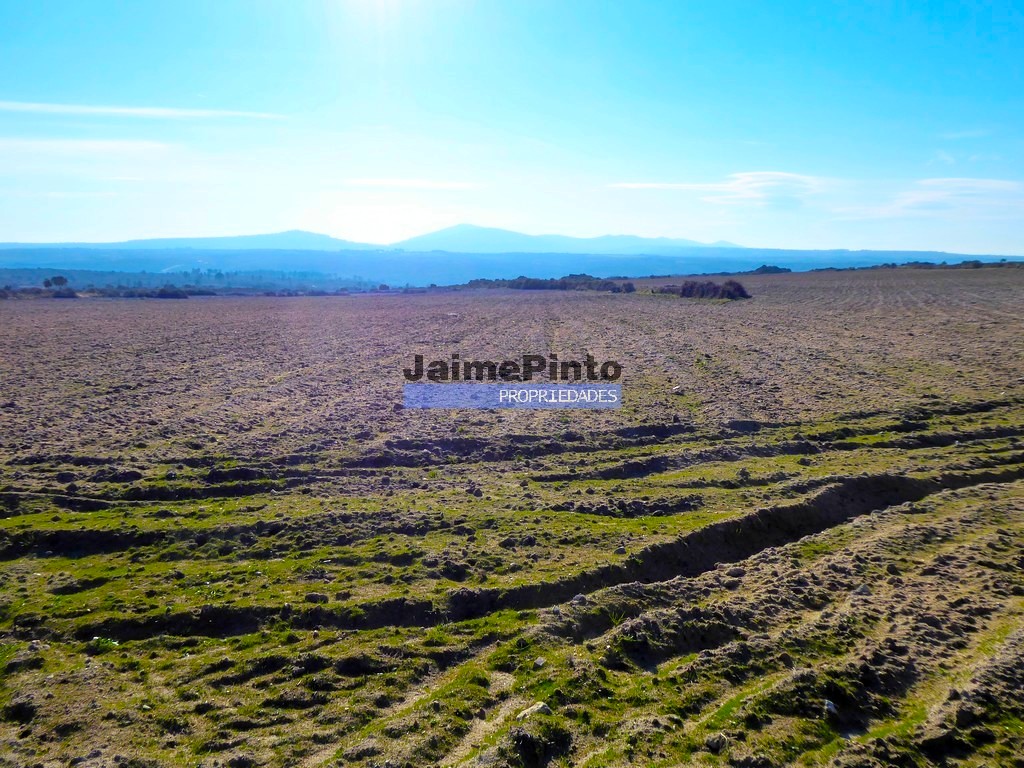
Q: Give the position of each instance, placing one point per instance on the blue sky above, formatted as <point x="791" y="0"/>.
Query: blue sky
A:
<point x="793" y="125"/>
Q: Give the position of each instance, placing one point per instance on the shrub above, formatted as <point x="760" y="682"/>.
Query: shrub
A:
<point x="693" y="289"/>
<point x="731" y="289"/>
<point x="99" y="645"/>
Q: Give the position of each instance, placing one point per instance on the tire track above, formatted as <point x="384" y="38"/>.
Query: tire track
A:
<point x="689" y="555"/>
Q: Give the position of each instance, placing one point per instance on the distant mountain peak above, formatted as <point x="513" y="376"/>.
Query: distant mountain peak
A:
<point x="471" y="238"/>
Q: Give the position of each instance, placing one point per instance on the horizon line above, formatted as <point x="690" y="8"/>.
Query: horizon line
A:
<point x="394" y="245"/>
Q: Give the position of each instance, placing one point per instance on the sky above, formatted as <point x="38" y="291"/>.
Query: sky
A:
<point x="859" y="125"/>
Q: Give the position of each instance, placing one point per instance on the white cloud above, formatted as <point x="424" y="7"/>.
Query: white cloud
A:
<point x="410" y="183"/>
<point x="947" y="198"/>
<point x="74" y="160"/>
<point x="56" y="195"/>
<point x="760" y="188"/>
<point x="80" y="147"/>
<point x="169" y="113"/>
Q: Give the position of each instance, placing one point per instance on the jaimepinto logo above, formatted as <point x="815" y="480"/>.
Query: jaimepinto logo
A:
<point x="524" y="369"/>
<point x="482" y="384"/>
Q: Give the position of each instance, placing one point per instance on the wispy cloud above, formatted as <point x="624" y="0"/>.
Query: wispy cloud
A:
<point x="78" y="148"/>
<point x="761" y="188"/>
<point x="165" y="113"/>
<point x="411" y="183"/>
<point x="949" y="197"/>
<point x="30" y="159"/>
<point x="962" y="198"/>
<point x="972" y="133"/>
<point x="51" y="195"/>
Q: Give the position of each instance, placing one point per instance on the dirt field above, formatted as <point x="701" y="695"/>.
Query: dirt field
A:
<point x="225" y="543"/>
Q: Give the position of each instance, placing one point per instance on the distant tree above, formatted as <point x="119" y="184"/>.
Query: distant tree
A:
<point x="47" y="283"/>
<point x="169" y="292"/>
<point x="59" y="280"/>
<point x="383" y="287"/>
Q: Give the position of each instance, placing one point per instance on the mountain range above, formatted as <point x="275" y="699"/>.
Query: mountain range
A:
<point x="463" y="238"/>
<point x="449" y="256"/>
<point x="467" y="238"/>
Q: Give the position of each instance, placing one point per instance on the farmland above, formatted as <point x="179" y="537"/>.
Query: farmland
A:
<point x="224" y="541"/>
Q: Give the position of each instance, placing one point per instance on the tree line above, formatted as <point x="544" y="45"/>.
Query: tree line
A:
<point x="579" y="282"/>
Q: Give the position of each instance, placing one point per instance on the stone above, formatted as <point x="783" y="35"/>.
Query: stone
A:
<point x="715" y="743"/>
<point x="540" y="708"/>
